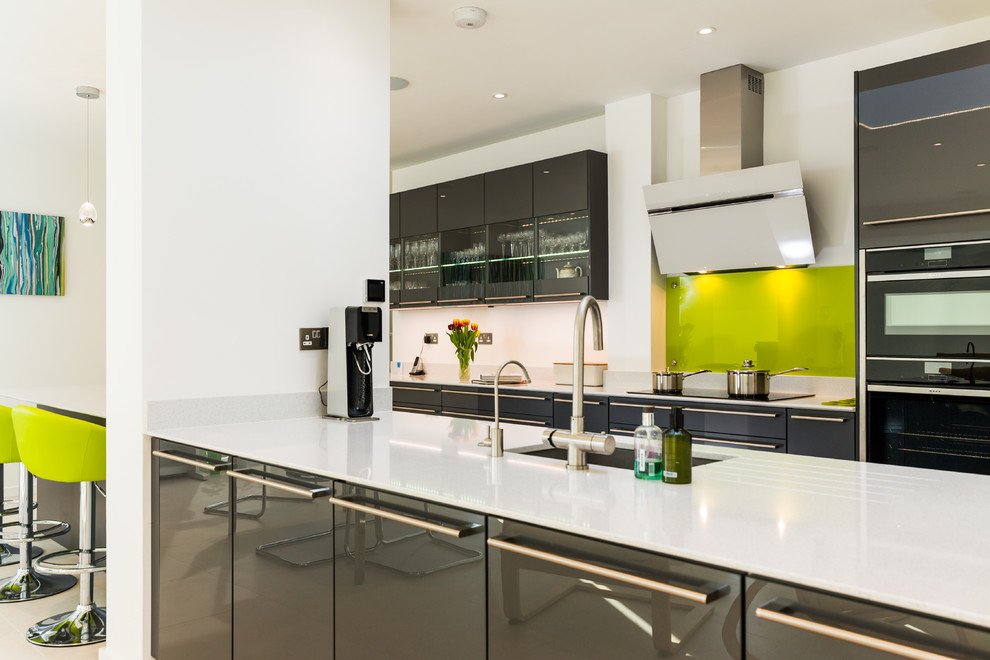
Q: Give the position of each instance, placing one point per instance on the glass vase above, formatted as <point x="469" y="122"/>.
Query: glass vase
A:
<point x="464" y="368"/>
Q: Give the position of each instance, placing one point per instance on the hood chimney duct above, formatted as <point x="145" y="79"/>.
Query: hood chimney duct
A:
<point x="731" y="119"/>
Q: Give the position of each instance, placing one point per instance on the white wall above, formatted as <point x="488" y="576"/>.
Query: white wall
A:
<point x="809" y="117"/>
<point x="47" y="339"/>
<point x="248" y="178"/>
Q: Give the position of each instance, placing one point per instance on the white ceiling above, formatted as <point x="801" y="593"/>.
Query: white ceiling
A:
<point x="561" y="60"/>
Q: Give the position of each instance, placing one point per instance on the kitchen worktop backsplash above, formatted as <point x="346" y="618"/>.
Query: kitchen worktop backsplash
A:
<point x="779" y="319"/>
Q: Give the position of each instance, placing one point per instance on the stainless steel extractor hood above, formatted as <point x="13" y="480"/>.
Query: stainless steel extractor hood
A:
<point x="740" y="214"/>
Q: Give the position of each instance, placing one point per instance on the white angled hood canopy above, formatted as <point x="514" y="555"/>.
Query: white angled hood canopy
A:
<point x="740" y="214"/>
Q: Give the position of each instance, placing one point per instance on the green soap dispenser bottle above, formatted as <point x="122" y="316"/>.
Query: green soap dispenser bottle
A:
<point x="676" y="450"/>
<point x="648" y="448"/>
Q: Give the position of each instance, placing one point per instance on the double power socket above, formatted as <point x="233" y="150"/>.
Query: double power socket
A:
<point x="485" y="338"/>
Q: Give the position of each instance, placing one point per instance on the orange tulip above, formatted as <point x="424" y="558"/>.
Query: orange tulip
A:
<point x="474" y="327"/>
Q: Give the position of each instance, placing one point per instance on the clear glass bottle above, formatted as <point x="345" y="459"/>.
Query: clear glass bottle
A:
<point x="676" y="450"/>
<point x="648" y="448"/>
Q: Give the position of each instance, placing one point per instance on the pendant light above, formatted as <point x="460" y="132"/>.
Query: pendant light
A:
<point x="87" y="212"/>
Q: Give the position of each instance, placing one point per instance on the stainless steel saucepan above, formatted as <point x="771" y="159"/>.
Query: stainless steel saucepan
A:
<point x="672" y="382"/>
<point x="749" y="382"/>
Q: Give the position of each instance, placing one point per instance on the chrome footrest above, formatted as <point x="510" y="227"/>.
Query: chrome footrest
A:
<point x="45" y="566"/>
<point x="12" y="554"/>
<point x="11" y="506"/>
<point x="17" y="537"/>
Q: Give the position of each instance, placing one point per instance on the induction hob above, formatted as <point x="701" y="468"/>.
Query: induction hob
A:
<point x="722" y="394"/>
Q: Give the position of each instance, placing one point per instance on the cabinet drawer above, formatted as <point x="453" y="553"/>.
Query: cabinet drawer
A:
<point x="629" y="412"/>
<point x="467" y="399"/>
<point x="826" y="434"/>
<point x="758" y="443"/>
<point x="512" y="418"/>
<point x="409" y="578"/>
<point x="782" y="618"/>
<point x="551" y="594"/>
<point x="416" y="395"/>
<point x="595" y="413"/>
<point x="738" y="420"/>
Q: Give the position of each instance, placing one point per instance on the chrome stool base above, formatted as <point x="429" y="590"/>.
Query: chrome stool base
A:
<point x="29" y="585"/>
<point x="87" y="624"/>
<point x="11" y="554"/>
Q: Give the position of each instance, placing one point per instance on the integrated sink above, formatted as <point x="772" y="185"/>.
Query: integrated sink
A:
<point x="620" y="458"/>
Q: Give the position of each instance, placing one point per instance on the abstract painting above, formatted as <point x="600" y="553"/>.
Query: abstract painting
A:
<point x="30" y="254"/>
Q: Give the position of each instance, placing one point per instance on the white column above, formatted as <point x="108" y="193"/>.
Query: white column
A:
<point x="635" y="135"/>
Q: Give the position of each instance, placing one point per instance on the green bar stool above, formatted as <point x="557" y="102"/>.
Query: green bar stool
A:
<point x="60" y="448"/>
<point x="26" y="583"/>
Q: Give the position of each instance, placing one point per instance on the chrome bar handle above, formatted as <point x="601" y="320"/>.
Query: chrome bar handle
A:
<point x="709" y="595"/>
<point x="760" y="445"/>
<point x="640" y="405"/>
<point x="418" y="410"/>
<point x="776" y="611"/>
<point x="353" y="502"/>
<point x="280" y="482"/>
<point x="414" y="389"/>
<point x="731" y="412"/>
<point x="819" y="419"/>
<point x="201" y="462"/>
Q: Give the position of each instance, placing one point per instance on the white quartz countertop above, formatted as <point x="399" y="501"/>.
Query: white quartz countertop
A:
<point x="86" y="399"/>
<point x="814" y="402"/>
<point x="903" y="536"/>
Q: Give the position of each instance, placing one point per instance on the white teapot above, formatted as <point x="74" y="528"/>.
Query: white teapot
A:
<point x="569" y="271"/>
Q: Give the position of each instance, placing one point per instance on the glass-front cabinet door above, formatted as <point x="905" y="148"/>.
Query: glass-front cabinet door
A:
<point x="395" y="271"/>
<point x="511" y="250"/>
<point x="563" y="261"/>
<point x="420" y="263"/>
<point x="462" y="265"/>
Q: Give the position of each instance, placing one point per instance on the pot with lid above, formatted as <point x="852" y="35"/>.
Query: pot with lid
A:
<point x="672" y="382"/>
<point x="750" y="382"/>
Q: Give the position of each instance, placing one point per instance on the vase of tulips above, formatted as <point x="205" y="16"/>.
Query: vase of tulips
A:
<point x="464" y="336"/>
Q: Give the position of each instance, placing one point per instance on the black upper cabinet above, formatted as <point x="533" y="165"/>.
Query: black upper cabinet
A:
<point x="394" y="213"/>
<point x="418" y="211"/>
<point x="560" y="184"/>
<point x="509" y="194"/>
<point x="461" y="203"/>
<point x="922" y="145"/>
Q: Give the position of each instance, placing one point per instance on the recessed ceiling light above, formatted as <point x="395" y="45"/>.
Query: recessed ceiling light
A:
<point x="499" y="95"/>
<point x="936" y="144"/>
<point x="706" y="30"/>
<point x="396" y="84"/>
<point x="981" y="164"/>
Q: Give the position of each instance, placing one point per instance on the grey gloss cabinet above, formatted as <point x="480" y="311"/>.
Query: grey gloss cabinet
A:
<point x="549" y="599"/>
<point x="282" y="563"/>
<point x="461" y="203"/>
<point x="782" y="618"/>
<point x="827" y="434"/>
<point x="418" y="211"/>
<point x="509" y="194"/>
<point x="409" y="578"/>
<point x="191" y="552"/>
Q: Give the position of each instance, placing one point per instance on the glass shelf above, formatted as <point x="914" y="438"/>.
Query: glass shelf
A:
<point x="566" y="255"/>
<point x="466" y="263"/>
<point x="420" y="269"/>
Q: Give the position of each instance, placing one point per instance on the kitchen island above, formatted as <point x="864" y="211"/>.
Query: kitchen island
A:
<point x="899" y="536"/>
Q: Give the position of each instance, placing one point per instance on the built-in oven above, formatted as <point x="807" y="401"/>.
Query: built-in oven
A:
<point x="925" y="371"/>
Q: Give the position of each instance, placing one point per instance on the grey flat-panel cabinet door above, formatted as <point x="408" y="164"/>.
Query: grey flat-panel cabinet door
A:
<point x="404" y="587"/>
<point x="785" y="622"/>
<point x="283" y="564"/>
<point x="548" y="602"/>
<point x="191" y="569"/>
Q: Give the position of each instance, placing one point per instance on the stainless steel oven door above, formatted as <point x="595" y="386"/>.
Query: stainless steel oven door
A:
<point x="939" y="314"/>
<point x="942" y="429"/>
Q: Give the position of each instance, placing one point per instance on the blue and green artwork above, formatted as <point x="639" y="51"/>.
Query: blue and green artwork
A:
<point x="30" y="254"/>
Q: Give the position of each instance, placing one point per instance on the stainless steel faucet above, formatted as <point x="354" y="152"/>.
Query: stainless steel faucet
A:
<point x="495" y="438"/>
<point x="578" y="442"/>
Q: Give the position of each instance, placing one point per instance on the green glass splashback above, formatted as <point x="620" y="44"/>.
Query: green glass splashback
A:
<point x="802" y="317"/>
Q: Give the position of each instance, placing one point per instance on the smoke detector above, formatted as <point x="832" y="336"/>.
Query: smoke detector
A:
<point x="470" y="18"/>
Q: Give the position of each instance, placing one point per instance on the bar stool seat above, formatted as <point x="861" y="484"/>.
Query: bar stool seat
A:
<point x="25" y="584"/>
<point x="60" y="448"/>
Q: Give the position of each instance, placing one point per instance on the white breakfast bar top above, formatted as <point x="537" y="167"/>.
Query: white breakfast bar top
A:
<point x="84" y="399"/>
<point x="906" y="537"/>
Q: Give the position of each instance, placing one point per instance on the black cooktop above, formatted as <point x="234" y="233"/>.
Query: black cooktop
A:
<point x="722" y="394"/>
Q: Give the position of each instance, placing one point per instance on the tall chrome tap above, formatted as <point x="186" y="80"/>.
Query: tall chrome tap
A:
<point x="577" y="442"/>
<point x="495" y="437"/>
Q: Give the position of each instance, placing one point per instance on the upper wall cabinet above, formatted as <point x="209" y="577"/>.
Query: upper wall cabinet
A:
<point x="509" y="194"/>
<point x="923" y="149"/>
<point x="418" y="211"/>
<point x="561" y="184"/>
<point x="461" y="203"/>
<point x="531" y="233"/>
<point x="394" y="209"/>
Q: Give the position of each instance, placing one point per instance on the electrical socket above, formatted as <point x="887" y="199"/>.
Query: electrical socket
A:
<point x="431" y="338"/>
<point x="313" y="339"/>
<point x="485" y="338"/>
